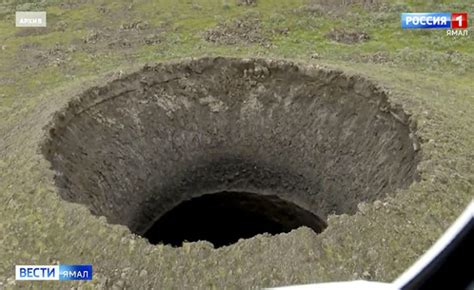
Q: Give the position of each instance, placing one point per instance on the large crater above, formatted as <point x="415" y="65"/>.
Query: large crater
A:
<point x="219" y="149"/>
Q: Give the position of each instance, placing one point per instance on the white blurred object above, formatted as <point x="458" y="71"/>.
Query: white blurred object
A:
<point x="351" y="285"/>
<point x="426" y="269"/>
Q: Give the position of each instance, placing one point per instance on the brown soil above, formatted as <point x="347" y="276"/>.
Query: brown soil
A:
<point x="322" y="142"/>
<point x="348" y="37"/>
<point x="246" y="2"/>
<point x="239" y="31"/>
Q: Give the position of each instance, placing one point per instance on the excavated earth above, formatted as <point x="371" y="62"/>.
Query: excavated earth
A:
<point x="220" y="172"/>
<point x="309" y="142"/>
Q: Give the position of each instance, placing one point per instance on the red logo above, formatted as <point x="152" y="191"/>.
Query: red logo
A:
<point x="459" y="20"/>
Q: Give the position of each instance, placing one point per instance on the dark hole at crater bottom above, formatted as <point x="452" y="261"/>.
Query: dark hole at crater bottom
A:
<point x="224" y="218"/>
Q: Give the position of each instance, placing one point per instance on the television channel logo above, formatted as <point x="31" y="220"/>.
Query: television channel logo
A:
<point x="434" y="20"/>
<point x="57" y="272"/>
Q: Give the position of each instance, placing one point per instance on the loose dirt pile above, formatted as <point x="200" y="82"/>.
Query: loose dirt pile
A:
<point x="239" y="31"/>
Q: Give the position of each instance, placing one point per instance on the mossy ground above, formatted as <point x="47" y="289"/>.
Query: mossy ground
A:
<point x="429" y="73"/>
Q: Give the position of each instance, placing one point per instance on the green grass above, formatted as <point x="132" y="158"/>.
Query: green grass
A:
<point x="430" y="72"/>
<point x="185" y="21"/>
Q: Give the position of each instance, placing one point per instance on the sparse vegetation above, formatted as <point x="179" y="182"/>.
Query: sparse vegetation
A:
<point x="92" y="42"/>
<point x="338" y="5"/>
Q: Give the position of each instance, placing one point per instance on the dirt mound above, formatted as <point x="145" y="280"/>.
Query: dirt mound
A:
<point x="219" y="135"/>
<point x="348" y="37"/>
<point x="246" y="2"/>
<point x="239" y="31"/>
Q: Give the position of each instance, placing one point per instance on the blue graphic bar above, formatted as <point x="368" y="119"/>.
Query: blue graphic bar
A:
<point x="426" y="20"/>
<point x="75" y="272"/>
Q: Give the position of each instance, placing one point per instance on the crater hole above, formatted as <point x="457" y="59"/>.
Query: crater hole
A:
<point x="224" y="218"/>
<point x="220" y="149"/>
